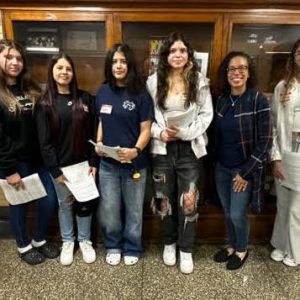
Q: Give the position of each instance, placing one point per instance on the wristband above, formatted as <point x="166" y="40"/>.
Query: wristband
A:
<point x="138" y="149"/>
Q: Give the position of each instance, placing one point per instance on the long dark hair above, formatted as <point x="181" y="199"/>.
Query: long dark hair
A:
<point x="27" y="85"/>
<point x="163" y="71"/>
<point x="80" y="122"/>
<point x="291" y="67"/>
<point x="133" y="82"/>
<point x="224" y="87"/>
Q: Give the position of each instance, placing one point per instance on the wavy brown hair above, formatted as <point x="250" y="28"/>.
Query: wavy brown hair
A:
<point x="27" y="85"/>
<point x="163" y="71"/>
<point x="291" y="67"/>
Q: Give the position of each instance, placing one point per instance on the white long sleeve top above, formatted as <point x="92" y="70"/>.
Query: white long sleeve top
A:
<point x="284" y="118"/>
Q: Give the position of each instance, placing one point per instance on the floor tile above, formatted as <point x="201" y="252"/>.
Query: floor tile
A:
<point x="209" y="279"/>
<point x="51" y="280"/>
<point x="260" y="278"/>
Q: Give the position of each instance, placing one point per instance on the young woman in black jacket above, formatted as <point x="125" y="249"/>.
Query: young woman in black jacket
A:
<point x="66" y="119"/>
<point x="19" y="151"/>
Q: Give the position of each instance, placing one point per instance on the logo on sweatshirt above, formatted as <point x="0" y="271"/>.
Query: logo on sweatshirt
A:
<point x="128" y="105"/>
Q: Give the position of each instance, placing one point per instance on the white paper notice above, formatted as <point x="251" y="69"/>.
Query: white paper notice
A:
<point x="182" y="120"/>
<point x="34" y="189"/>
<point x="110" y="151"/>
<point x="107" y="150"/>
<point x="291" y="165"/>
<point x="80" y="183"/>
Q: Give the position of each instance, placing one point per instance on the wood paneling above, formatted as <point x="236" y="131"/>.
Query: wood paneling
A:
<point x="161" y="3"/>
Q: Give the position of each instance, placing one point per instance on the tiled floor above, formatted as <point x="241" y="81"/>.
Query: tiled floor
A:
<point x="260" y="278"/>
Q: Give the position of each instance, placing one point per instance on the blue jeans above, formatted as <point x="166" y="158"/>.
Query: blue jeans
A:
<point x="235" y="207"/>
<point x="175" y="175"/>
<point x="66" y="216"/>
<point x="45" y="207"/>
<point x="121" y="208"/>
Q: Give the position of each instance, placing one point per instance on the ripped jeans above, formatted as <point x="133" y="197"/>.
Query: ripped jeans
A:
<point x="175" y="177"/>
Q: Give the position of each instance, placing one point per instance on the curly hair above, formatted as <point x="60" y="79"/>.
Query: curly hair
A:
<point x="224" y="87"/>
<point x="27" y="85"/>
<point x="163" y="71"/>
<point x="291" y="67"/>
<point x="133" y="82"/>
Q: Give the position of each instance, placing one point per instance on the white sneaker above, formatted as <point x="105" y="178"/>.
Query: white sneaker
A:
<point x="113" y="259"/>
<point x="88" y="252"/>
<point x="130" y="260"/>
<point x="169" y="255"/>
<point x="277" y="255"/>
<point x="288" y="261"/>
<point x="186" y="262"/>
<point x="66" y="254"/>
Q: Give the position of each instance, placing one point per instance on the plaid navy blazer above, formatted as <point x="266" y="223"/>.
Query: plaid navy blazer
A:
<point x="255" y="126"/>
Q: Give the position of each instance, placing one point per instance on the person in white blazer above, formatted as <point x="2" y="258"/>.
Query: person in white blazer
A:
<point x="286" y="131"/>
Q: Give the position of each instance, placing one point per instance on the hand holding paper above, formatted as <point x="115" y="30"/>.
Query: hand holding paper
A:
<point x="81" y="182"/>
<point x="106" y="150"/>
<point x="33" y="189"/>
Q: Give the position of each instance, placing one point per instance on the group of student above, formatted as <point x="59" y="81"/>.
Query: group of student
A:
<point x="44" y="131"/>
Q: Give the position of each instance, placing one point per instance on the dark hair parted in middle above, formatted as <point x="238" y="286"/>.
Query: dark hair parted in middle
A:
<point x="163" y="70"/>
<point x="133" y="82"/>
<point x="224" y="87"/>
<point x="80" y="121"/>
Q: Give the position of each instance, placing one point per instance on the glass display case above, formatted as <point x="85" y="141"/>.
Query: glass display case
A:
<point x="84" y="36"/>
<point x="83" y="41"/>
<point x="146" y="31"/>
<point x="269" y="45"/>
<point x="146" y="38"/>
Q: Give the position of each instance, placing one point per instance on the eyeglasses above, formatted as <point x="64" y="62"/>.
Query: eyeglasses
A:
<point x="240" y="69"/>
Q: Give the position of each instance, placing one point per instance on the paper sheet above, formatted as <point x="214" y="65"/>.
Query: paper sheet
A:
<point x="109" y="151"/>
<point x="182" y="120"/>
<point x="291" y="165"/>
<point x="34" y="189"/>
<point x="80" y="183"/>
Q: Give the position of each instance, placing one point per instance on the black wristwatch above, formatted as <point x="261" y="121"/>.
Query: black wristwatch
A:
<point x="138" y="149"/>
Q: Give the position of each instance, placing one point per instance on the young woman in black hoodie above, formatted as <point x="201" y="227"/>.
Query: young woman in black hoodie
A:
<point x="19" y="151"/>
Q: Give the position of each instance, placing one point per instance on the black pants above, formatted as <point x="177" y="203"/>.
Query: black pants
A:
<point x="174" y="175"/>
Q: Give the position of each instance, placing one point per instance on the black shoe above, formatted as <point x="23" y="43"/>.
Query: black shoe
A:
<point x="235" y="262"/>
<point x="222" y="256"/>
<point x="32" y="257"/>
<point x="48" y="250"/>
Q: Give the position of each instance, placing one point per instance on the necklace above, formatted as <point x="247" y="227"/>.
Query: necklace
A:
<point x="234" y="101"/>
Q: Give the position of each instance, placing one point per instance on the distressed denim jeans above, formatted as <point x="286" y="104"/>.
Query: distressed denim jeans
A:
<point x="45" y="208"/>
<point x="235" y="207"/>
<point x="175" y="175"/>
<point x="121" y="208"/>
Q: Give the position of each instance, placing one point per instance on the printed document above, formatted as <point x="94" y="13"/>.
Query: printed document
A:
<point x="291" y="167"/>
<point x="182" y="120"/>
<point x="34" y="189"/>
<point x="108" y="151"/>
<point x="80" y="183"/>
